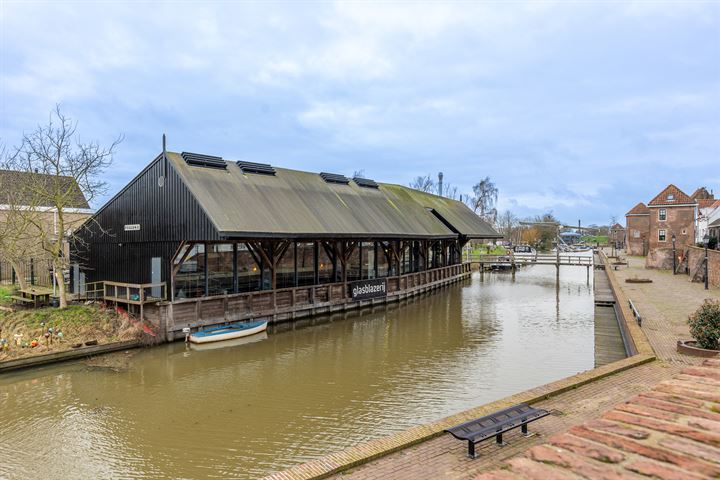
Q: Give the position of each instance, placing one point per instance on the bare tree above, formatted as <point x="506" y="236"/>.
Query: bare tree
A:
<point x="507" y="223"/>
<point x="60" y="170"/>
<point x="424" y="184"/>
<point x="359" y="173"/>
<point x="486" y="195"/>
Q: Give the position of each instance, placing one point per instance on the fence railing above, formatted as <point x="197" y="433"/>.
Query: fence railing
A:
<point x="635" y="312"/>
<point x="34" y="271"/>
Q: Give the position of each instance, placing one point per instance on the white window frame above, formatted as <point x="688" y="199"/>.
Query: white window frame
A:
<point x="662" y="235"/>
<point x="662" y="215"/>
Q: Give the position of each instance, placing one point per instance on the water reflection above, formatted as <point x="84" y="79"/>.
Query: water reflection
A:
<point x="251" y="409"/>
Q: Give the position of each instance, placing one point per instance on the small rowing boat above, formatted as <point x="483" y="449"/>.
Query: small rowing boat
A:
<point x="228" y="332"/>
<point x="235" y="342"/>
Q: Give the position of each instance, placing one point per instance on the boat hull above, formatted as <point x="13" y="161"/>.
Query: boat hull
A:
<point x="229" y="333"/>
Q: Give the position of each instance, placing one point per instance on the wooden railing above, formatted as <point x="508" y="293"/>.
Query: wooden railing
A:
<point x="237" y="306"/>
<point x="133" y="293"/>
<point x="533" y="259"/>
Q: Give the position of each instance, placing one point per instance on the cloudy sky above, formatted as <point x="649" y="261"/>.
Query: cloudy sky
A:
<point x="582" y="108"/>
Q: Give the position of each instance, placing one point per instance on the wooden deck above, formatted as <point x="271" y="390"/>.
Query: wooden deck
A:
<point x="289" y="304"/>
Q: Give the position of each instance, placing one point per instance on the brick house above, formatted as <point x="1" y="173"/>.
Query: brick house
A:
<point x="617" y="236"/>
<point x="637" y="229"/>
<point x="672" y="212"/>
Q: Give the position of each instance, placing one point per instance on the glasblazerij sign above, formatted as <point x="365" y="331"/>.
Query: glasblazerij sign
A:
<point x="134" y="227"/>
<point x="365" y="289"/>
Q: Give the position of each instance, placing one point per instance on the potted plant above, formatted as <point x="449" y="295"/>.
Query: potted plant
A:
<point x="705" y="329"/>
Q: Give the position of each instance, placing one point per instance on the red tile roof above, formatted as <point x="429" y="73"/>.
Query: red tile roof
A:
<point x="678" y="197"/>
<point x="639" y="209"/>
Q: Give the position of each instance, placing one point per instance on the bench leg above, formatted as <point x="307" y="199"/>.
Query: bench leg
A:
<point x="471" y="449"/>
<point x="524" y="430"/>
<point x="499" y="440"/>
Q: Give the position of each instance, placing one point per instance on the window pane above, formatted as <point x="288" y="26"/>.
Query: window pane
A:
<point x="306" y="263"/>
<point x="383" y="263"/>
<point x="325" y="266"/>
<point x="220" y="268"/>
<point x="190" y="278"/>
<point x="248" y="270"/>
<point x="285" y="276"/>
<point x="353" y="265"/>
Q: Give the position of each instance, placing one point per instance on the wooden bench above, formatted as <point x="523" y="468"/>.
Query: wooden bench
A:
<point x="494" y="425"/>
<point x="16" y="298"/>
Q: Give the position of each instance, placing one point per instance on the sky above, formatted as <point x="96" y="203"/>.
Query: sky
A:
<point x="579" y="108"/>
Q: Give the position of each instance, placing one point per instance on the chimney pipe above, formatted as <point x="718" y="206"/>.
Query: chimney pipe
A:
<point x="440" y="184"/>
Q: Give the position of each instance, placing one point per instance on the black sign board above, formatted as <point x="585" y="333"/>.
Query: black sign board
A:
<point x="365" y="289"/>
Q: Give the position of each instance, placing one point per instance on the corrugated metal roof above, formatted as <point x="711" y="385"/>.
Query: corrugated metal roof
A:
<point x="293" y="203"/>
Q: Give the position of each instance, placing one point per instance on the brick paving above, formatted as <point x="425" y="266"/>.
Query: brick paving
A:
<point x="586" y="437"/>
<point x="671" y="432"/>
<point x="664" y="304"/>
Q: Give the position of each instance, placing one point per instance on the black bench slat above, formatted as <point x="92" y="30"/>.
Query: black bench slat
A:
<point x="494" y="425"/>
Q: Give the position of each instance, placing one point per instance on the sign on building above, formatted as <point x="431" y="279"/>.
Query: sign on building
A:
<point x="365" y="289"/>
<point x="133" y="227"/>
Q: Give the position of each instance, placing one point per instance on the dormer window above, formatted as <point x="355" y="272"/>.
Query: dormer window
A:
<point x="662" y="214"/>
<point x="670" y="197"/>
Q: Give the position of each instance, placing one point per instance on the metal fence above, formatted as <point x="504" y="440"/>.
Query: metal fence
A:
<point x="35" y="272"/>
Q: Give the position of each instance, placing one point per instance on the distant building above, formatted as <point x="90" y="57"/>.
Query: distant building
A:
<point x="637" y="222"/>
<point x="15" y="197"/>
<point x="617" y="236"/>
<point x="708" y="209"/>
<point x="672" y="213"/>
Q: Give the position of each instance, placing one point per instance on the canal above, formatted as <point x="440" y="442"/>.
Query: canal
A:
<point x="248" y="410"/>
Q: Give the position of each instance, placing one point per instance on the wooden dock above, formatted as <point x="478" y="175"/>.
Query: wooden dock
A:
<point x="609" y="345"/>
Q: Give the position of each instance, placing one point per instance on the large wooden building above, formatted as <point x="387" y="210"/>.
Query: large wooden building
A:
<point x="267" y="240"/>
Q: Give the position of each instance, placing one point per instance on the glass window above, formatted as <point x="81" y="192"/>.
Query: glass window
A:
<point x="325" y="265"/>
<point x="190" y="277"/>
<point x="248" y="270"/>
<point x="661" y="235"/>
<point x="220" y="268"/>
<point x="383" y="257"/>
<point x="662" y="214"/>
<point x="285" y="275"/>
<point x="353" y="265"/>
<point x="368" y="259"/>
<point x="306" y="263"/>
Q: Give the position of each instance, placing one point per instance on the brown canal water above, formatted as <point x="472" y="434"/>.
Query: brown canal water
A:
<point x="252" y="409"/>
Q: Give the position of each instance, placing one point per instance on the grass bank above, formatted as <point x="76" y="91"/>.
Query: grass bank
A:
<point x="76" y="324"/>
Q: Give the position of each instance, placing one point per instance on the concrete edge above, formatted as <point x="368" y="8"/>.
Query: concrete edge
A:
<point x="638" y="336"/>
<point x="54" y="357"/>
<point x="337" y="462"/>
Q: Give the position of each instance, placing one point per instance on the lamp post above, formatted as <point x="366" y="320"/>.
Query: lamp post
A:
<point x="706" y="242"/>
<point x="674" y="255"/>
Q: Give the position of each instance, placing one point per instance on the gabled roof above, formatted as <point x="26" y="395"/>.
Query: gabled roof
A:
<point x="13" y="193"/>
<point x="294" y="203"/>
<point x="701" y="194"/>
<point x="617" y="226"/>
<point x="639" y="209"/>
<point x="670" y="196"/>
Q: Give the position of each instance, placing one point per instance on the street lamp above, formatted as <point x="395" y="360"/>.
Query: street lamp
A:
<point x="674" y="255"/>
<point x="706" y="242"/>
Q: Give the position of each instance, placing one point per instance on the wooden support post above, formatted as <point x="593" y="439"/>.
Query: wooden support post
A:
<point x="235" y="283"/>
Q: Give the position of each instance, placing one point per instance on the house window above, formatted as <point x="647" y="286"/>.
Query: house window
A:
<point x="661" y="235"/>
<point x="662" y="214"/>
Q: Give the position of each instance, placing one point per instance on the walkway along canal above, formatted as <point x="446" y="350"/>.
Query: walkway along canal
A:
<point x="246" y="411"/>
